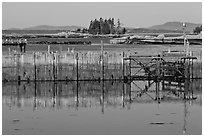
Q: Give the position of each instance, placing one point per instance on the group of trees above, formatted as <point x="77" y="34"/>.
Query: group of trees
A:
<point x="105" y="26"/>
<point x="198" y="29"/>
<point x="83" y="30"/>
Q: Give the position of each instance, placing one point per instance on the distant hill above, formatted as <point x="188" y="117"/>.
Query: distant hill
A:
<point x="20" y="31"/>
<point x="48" y="27"/>
<point x="175" y="26"/>
<point x="169" y="27"/>
<point x="145" y="30"/>
<point x="13" y="29"/>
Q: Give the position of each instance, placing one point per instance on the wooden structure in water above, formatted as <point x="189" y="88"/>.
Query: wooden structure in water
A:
<point x="168" y="65"/>
<point x="62" y="66"/>
<point x="98" y="66"/>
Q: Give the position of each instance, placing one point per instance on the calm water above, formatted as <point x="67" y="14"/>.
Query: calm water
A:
<point x="139" y="48"/>
<point x="140" y="107"/>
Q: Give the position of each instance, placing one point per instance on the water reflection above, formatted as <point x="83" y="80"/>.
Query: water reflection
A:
<point x="74" y="96"/>
<point x="62" y="94"/>
<point x="104" y="94"/>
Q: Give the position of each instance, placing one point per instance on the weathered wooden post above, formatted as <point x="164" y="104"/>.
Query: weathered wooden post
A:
<point x="187" y="75"/>
<point x="34" y="58"/>
<point x="45" y="69"/>
<point x="184" y="37"/>
<point x="48" y="49"/>
<point x="82" y="61"/>
<point x="18" y="68"/>
<point x="123" y="66"/>
<point x="60" y="67"/>
<point x="102" y="61"/>
<point x="56" y="65"/>
<point x="107" y="55"/>
<point x="22" y="71"/>
<point x="53" y="66"/>
<point x="115" y="60"/>
<point x="192" y="69"/>
<point x="24" y="47"/>
<point x="87" y="66"/>
<point x="130" y="67"/>
<point x="77" y="66"/>
<point x="187" y="48"/>
<point x="163" y="85"/>
<point x="158" y="68"/>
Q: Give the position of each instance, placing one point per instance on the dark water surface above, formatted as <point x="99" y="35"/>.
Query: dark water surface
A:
<point x="140" y="48"/>
<point x="139" y="107"/>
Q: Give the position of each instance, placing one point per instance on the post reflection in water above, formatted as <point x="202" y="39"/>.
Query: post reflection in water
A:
<point x="76" y="95"/>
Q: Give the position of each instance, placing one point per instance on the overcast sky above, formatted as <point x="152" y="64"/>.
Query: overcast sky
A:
<point x="137" y="14"/>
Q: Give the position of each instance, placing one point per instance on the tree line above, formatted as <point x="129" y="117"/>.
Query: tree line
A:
<point x="105" y="26"/>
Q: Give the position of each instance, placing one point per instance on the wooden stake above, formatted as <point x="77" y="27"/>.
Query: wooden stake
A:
<point x="77" y="66"/>
<point x="35" y="75"/>
<point x="123" y="66"/>
<point x="53" y="64"/>
<point x="102" y="61"/>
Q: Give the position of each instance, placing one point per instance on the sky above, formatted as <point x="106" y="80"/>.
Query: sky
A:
<point x="131" y="14"/>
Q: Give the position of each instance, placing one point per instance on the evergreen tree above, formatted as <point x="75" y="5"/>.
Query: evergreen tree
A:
<point x="106" y="29"/>
<point x="90" y="27"/>
<point x="124" y="30"/>
<point x="101" y="26"/>
<point x="112" y="26"/>
<point x="118" y="27"/>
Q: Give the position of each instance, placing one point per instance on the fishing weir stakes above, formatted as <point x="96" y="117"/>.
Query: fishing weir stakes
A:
<point x="98" y="66"/>
<point x="62" y="66"/>
<point x="168" y="65"/>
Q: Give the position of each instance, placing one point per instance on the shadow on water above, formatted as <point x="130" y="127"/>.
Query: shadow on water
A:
<point x="105" y="95"/>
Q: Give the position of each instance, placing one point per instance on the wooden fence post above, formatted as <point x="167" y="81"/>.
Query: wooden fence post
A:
<point x="130" y="66"/>
<point x="123" y="55"/>
<point x="18" y="68"/>
<point x="53" y="66"/>
<point x="35" y="75"/>
<point x="77" y="66"/>
<point x="102" y="61"/>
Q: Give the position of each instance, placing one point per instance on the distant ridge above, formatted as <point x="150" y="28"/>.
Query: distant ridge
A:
<point x="49" y="27"/>
<point x="13" y="29"/>
<point x="175" y="26"/>
<point x="145" y="30"/>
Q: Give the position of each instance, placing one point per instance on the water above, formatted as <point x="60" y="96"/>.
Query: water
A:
<point x="139" y="48"/>
<point x="140" y="107"/>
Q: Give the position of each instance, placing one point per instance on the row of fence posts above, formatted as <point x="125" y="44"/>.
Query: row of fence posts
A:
<point x="56" y="65"/>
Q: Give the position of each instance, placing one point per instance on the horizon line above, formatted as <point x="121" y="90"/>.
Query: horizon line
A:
<point x="24" y="28"/>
